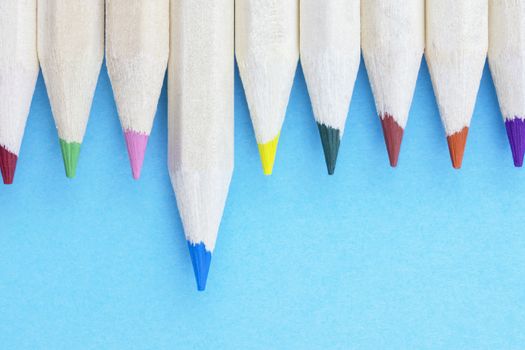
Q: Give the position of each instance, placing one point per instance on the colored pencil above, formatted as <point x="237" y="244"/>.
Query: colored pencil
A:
<point x="18" y="75"/>
<point x="393" y="41"/>
<point x="71" y="49"/>
<point x="200" y="120"/>
<point x="137" y="47"/>
<point x="330" y="54"/>
<point x="507" y="65"/>
<point x="456" y="50"/>
<point x="267" y="52"/>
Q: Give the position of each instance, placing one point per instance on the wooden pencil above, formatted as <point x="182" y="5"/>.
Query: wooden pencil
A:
<point x="456" y="50"/>
<point x="137" y="47"/>
<point x="330" y="54"/>
<point x="267" y="52"/>
<point x="71" y="50"/>
<point x="507" y="65"/>
<point x="393" y="41"/>
<point x="18" y="75"/>
<point x="200" y="120"/>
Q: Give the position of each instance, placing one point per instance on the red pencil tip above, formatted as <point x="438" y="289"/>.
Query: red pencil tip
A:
<point x="456" y="147"/>
<point x="393" y="134"/>
<point x="7" y="165"/>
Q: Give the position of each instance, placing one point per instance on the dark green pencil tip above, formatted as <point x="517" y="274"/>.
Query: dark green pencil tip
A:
<point x="331" y="139"/>
<point x="70" y="153"/>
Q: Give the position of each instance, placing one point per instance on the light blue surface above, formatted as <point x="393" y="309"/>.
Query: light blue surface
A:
<point x="420" y="257"/>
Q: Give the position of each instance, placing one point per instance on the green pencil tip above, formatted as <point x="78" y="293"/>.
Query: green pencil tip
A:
<point x="331" y="139"/>
<point x="70" y="153"/>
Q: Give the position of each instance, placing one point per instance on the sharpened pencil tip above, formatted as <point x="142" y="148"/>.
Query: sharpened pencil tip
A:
<point x="516" y="134"/>
<point x="136" y="144"/>
<point x="7" y="165"/>
<point x="456" y="147"/>
<point x="200" y="259"/>
<point x="70" y="154"/>
<point x="331" y="139"/>
<point x="267" y="152"/>
<point x="393" y="134"/>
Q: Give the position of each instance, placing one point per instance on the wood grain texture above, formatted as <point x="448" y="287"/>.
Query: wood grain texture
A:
<point x="507" y="55"/>
<point x="267" y="52"/>
<point x="137" y="48"/>
<point x="71" y="49"/>
<point x="507" y="65"/>
<point x="330" y="54"/>
<point x="456" y="50"/>
<point x="18" y="69"/>
<point x="200" y="113"/>
<point x="393" y="41"/>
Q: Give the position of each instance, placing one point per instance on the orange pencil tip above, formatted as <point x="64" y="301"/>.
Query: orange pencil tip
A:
<point x="456" y="147"/>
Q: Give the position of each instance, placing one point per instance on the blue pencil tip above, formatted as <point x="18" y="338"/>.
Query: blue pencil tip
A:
<point x="200" y="259"/>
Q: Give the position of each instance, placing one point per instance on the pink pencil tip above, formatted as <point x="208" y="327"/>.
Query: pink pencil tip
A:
<point x="136" y="144"/>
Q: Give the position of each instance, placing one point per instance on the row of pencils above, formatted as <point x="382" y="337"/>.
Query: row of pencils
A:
<point x="195" y="40"/>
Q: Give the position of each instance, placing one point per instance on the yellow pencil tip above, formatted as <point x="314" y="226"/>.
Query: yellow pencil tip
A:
<point x="267" y="152"/>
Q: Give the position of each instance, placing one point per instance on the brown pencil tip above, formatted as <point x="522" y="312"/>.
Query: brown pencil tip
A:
<point x="393" y="134"/>
<point x="456" y="147"/>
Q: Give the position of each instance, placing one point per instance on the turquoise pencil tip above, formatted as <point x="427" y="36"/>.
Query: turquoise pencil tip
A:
<point x="331" y="139"/>
<point x="200" y="259"/>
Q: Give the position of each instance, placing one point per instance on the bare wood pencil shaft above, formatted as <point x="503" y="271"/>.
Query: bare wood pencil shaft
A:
<point x="200" y="123"/>
<point x="18" y="74"/>
<point x="507" y="65"/>
<point x="137" y="48"/>
<point x="330" y="54"/>
<point x="456" y="50"/>
<point x="267" y="52"/>
<point x="71" y="49"/>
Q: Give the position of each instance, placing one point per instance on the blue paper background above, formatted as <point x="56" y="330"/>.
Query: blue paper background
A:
<point x="420" y="257"/>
